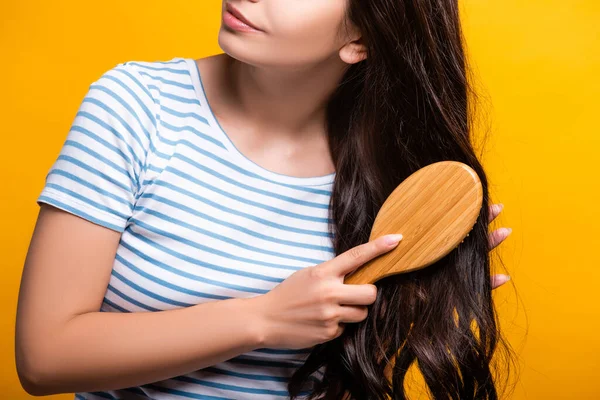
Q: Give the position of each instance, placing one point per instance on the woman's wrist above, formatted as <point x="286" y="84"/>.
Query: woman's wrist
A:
<point x="251" y="311"/>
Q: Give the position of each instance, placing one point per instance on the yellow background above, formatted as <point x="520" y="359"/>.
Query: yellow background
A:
<point x="538" y="62"/>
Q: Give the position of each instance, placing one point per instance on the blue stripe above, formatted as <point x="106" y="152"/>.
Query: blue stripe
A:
<point x="255" y="377"/>
<point x="99" y="157"/>
<point x="247" y="231"/>
<point x="102" y="175"/>
<point x="194" y="131"/>
<point x="266" y="378"/>
<point x="185" y="115"/>
<point x="137" y="82"/>
<point x="226" y="239"/>
<point x="66" y="207"/>
<point x="180" y="60"/>
<point x="221" y="253"/>
<point x="242" y="200"/>
<point x="148" y="67"/>
<point x="157" y="153"/>
<point x="155" y="169"/>
<point x="104" y="142"/>
<point x="163" y="139"/>
<point x="166" y="284"/>
<point x="253" y="175"/>
<point x="87" y="200"/>
<point x="115" y="306"/>
<point x="167" y="81"/>
<point x="235" y="388"/>
<point x="236" y="168"/>
<point x="130" y="299"/>
<point x="133" y="94"/>
<point x="206" y="264"/>
<point x="239" y="169"/>
<point x="248" y="187"/>
<point x="58" y="171"/>
<point x="171" y="96"/>
<point x="110" y="111"/>
<point x="179" y="272"/>
<point x="148" y="293"/>
<point x="124" y="104"/>
<point x="239" y="213"/>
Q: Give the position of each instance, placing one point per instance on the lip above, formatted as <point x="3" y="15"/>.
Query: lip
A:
<point x="237" y="15"/>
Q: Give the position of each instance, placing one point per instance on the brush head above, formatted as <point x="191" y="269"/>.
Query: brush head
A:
<point x="434" y="209"/>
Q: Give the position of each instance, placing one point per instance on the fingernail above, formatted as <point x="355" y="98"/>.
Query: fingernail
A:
<point x="393" y="239"/>
<point x="508" y="231"/>
<point x="499" y="207"/>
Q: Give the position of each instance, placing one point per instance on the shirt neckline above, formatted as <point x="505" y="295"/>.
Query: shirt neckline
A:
<point x="240" y="157"/>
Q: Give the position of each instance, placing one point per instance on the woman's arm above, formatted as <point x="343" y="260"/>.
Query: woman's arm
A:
<point x="64" y="344"/>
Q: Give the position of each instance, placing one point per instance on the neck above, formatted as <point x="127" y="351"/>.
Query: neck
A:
<point x="283" y="101"/>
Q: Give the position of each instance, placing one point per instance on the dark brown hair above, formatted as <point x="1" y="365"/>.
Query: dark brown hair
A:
<point x="409" y="104"/>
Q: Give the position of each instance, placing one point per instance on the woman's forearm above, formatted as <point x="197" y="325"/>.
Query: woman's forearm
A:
<point x="106" y="351"/>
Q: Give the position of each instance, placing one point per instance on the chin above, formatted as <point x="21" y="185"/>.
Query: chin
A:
<point x="254" y="51"/>
<point x="237" y="46"/>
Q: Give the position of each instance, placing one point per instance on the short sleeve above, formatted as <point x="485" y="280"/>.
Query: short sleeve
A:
<point x="98" y="171"/>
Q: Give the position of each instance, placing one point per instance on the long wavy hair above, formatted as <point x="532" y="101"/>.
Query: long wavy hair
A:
<point x="408" y="104"/>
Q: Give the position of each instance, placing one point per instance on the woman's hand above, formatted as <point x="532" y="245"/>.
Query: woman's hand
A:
<point x="495" y="238"/>
<point x="313" y="304"/>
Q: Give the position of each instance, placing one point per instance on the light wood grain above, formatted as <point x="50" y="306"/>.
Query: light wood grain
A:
<point x="434" y="209"/>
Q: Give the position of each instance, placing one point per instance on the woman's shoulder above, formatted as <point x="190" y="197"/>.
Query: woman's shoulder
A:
<point x="149" y="82"/>
<point x="174" y="73"/>
<point x="173" y="66"/>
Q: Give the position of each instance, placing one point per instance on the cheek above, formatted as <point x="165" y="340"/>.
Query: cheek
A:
<point x="311" y="28"/>
<point x="299" y="33"/>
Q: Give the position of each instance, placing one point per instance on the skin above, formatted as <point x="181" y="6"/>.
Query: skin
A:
<point x="269" y="88"/>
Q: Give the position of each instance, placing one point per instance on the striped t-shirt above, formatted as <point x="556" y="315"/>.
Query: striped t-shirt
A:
<point x="200" y="222"/>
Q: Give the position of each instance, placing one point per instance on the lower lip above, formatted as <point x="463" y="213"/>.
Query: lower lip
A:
<point x="232" y="22"/>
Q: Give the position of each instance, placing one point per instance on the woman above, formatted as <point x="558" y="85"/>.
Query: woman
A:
<point x="195" y="230"/>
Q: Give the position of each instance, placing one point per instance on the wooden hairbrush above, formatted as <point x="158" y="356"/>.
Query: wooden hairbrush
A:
<point x="434" y="209"/>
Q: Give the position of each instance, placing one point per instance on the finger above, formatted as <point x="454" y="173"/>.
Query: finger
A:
<point x="498" y="236"/>
<point x="353" y="313"/>
<point x="340" y="330"/>
<point x="494" y="210"/>
<point x="357" y="256"/>
<point x="499" y="280"/>
<point x="362" y="295"/>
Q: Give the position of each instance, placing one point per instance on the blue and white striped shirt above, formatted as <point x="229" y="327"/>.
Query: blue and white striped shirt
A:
<point x="200" y="222"/>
